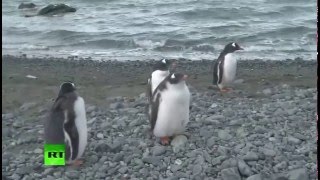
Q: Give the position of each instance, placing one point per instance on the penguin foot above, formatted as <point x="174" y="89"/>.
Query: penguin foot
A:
<point x="226" y="90"/>
<point x="77" y="163"/>
<point x="164" y="140"/>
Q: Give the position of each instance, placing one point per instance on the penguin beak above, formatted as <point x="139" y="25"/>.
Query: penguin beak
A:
<point x="185" y="77"/>
<point x="240" y="48"/>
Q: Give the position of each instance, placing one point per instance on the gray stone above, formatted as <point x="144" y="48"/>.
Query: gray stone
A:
<point x="215" y="117"/>
<point x="158" y="150"/>
<point x="239" y="81"/>
<point x="116" y="105"/>
<point x="72" y="174"/>
<point x="298" y="174"/>
<point x="211" y="141"/>
<point x="90" y="108"/>
<point x="229" y="163"/>
<point x="293" y="140"/>
<point x="7" y="116"/>
<point x="156" y="161"/>
<point x="197" y="169"/>
<point x="178" y="142"/>
<point x="230" y="174"/>
<point x="268" y="152"/>
<point x="118" y="157"/>
<point x="216" y="161"/>
<point x="255" y="177"/>
<point x="27" y="106"/>
<point x="244" y="169"/>
<point x="280" y="166"/>
<point x="214" y="105"/>
<point x="205" y="133"/>
<point x="100" y="135"/>
<point x="174" y="168"/>
<point x="38" y="151"/>
<point x="267" y="91"/>
<point x="123" y="170"/>
<point x="224" y="135"/>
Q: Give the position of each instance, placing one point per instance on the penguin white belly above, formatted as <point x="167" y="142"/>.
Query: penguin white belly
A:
<point x="157" y="77"/>
<point x="81" y="124"/>
<point x="173" y="112"/>
<point x="229" y="69"/>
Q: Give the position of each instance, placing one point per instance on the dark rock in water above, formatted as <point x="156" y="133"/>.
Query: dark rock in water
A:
<point x="26" y="5"/>
<point x="54" y="9"/>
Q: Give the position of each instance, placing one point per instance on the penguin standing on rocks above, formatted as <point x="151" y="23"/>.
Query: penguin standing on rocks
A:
<point x="67" y="123"/>
<point x="159" y="73"/>
<point x="225" y="68"/>
<point x="170" y="107"/>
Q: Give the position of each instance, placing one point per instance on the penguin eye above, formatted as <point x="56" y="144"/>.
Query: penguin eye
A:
<point x="173" y="76"/>
<point x="164" y="61"/>
<point x="234" y="44"/>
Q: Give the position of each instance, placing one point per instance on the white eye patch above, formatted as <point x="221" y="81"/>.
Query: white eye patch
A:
<point x="164" y="61"/>
<point x="173" y="76"/>
<point x="72" y="84"/>
<point x="234" y="44"/>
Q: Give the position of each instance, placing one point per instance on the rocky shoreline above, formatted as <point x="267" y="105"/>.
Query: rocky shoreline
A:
<point x="264" y="129"/>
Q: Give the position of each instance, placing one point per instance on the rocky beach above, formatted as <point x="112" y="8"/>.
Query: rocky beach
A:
<point x="265" y="129"/>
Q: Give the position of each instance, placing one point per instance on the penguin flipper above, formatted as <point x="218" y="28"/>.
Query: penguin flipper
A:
<point x="220" y="71"/>
<point x="72" y="136"/>
<point x="215" y="72"/>
<point x="154" y="110"/>
<point x="149" y="90"/>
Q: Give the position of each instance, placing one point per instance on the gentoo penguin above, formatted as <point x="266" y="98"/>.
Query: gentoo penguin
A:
<point x="161" y="70"/>
<point x="159" y="73"/>
<point x="225" y="68"/>
<point x="67" y="123"/>
<point x="170" y="107"/>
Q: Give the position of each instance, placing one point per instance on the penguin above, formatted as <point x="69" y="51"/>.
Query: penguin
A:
<point x="225" y="68"/>
<point x="67" y="123"/>
<point x="159" y="73"/>
<point x="161" y="70"/>
<point x="170" y="107"/>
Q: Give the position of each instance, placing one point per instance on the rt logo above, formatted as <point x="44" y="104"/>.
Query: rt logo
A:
<point x="54" y="154"/>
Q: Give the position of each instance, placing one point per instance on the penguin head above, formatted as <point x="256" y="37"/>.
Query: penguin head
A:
<point x="232" y="47"/>
<point x="175" y="78"/>
<point x="67" y="87"/>
<point x="163" y="65"/>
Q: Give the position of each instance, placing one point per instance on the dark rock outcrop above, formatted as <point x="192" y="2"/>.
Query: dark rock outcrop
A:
<point x="54" y="9"/>
<point x="26" y="6"/>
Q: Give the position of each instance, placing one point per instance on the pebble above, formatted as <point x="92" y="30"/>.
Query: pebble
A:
<point x="38" y="151"/>
<point x="293" y="140"/>
<point x="100" y="135"/>
<point x="156" y="161"/>
<point x="178" y="142"/>
<point x="197" y="169"/>
<point x="251" y="156"/>
<point x="230" y="174"/>
<point x="298" y="174"/>
<point x="244" y="169"/>
<point x="255" y="177"/>
<point x="158" y="150"/>
<point x="224" y="135"/>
